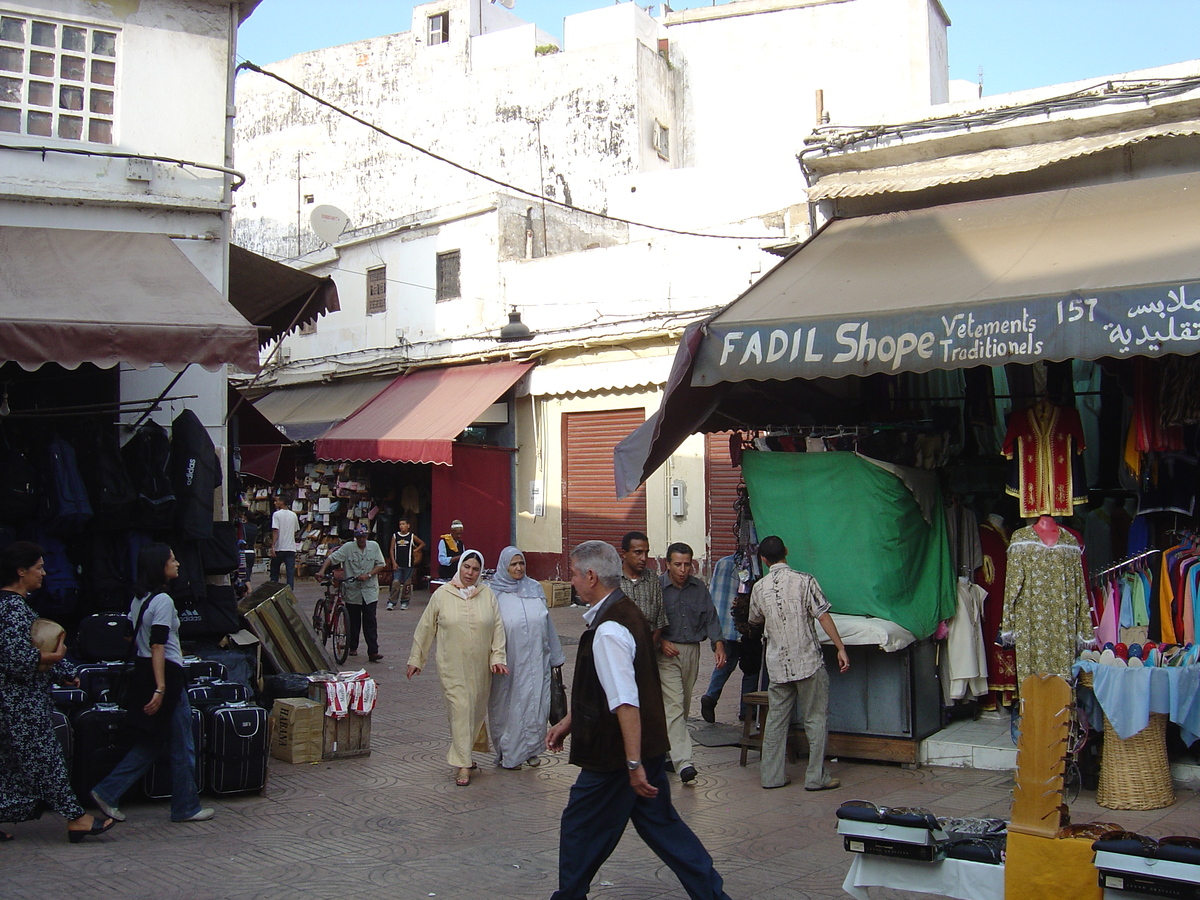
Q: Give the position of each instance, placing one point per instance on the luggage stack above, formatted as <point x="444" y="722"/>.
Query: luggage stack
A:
<point x="229" y="731"/>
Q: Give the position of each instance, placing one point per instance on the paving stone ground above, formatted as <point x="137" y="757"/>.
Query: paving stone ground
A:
<point x="394" y="825"/>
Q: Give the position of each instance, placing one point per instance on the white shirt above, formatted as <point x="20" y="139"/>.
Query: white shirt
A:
<point x="285" y="521"/>
<point x="613" y="649"/>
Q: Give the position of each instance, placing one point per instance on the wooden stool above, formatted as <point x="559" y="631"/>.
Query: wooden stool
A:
<point x="757" y="703"/>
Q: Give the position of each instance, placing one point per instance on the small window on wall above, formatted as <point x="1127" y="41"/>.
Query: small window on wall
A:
<point x="447" y="276"/>
<point x="57" y="79"/>
<point x="439" y="28"/>
<point x="661" y="140"/>
<point x="376" y="290"/>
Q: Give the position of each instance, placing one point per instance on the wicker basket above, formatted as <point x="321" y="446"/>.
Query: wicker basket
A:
<point x="1135" y="774"/>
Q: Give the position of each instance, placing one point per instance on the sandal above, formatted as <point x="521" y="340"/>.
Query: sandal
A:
<point x="98" y="827"/>
<point x="464" y="777"/>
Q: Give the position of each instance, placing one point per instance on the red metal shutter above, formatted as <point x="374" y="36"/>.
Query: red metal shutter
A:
<point x="591" y="510"/>
<point x="721" y="481"/>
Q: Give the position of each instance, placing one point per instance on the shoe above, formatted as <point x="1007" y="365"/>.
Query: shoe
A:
<point x="464" y="777"/>
<point x="98" y="827"/>
<point x="403" y="606"/>
<point x="688" y="774"/>
<point x="375" y="657"/>
<point x="534" y="761"/>
<point x="108" y="809"/>
<point x="5" y="837"/>
<point x="391" y="606"/>
<point x="771" y="787"/>
<point x="827" y="786"/>
<point x="202" y="816"/>
<point x="353" y="653"/>
<point x="708" y="709"/>
<point x="669" y="766"/>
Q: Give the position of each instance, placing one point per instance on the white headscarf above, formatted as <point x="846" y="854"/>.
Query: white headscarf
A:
<point x="468" y="592"/>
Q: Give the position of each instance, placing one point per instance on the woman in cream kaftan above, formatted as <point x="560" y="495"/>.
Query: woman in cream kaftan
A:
<point x="462" y="616"/>
<point x="1045" y="602"/>
<point x="520" y="703"/>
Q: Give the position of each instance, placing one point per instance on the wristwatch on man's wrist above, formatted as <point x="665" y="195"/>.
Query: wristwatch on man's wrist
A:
<point x="633" y="764"/>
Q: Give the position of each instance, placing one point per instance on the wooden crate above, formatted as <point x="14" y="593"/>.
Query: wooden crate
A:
<point x="297" y="730"/>
<point x="342" y="738"/>
<point x="287" y="637"/>
<point x="558" y="593"/>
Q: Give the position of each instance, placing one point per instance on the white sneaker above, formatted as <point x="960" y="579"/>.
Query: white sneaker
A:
<point x="108" y="809"/>
<point x="203" y="816"/>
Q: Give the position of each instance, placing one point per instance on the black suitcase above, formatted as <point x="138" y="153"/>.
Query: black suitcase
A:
<point x="238" y="745"/>
<point x="69" y="701"/>
<point x="195" y="668"/>
<point x="104" y="637"/>
<point x="207" y="692"/>
<point x="102" y="681"/>
<point x="66" y="736"/>
<point x="157" y="783"/>
<point x="101" y="741"/>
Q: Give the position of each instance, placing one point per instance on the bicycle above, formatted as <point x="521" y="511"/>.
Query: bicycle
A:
<point x="330" y="619"/>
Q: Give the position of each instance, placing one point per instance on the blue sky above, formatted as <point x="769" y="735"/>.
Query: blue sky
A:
<point x="1019" y="43"/>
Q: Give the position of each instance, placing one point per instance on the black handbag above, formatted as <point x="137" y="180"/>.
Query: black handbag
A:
<point x="558" y="696"/>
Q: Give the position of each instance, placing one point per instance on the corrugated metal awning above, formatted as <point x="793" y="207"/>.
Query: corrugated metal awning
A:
<point x="72" y="296"/>
<point x="966" y="167"/>
<point x="418" y="416"/>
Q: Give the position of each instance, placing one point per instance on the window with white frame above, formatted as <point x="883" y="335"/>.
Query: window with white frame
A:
<point x="439" y="28"/>
<point x="661" y="140"/>
<point x="376" y="290"/>
<point x="57" y="79"/>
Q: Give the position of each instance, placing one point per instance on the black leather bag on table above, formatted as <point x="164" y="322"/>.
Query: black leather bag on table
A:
<point x="558" y="696"/>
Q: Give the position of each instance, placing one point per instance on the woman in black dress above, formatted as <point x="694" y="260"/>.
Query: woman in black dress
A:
<point x="33" y="776"/>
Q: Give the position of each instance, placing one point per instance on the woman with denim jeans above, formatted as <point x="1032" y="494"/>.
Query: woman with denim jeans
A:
<point x="159" y="707"/>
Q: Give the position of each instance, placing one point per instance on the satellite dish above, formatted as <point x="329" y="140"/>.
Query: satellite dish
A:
<point x="328" y="223"/>
<point x="507" y="4"/>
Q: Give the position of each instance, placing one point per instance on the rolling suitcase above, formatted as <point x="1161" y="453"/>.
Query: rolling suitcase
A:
<point x="101" y="681"/>
<point x="69" y="701"/>
<point x="238" y="746"/>
<point x="195" y="668"/>
<point x="207" y="692"/>
<point x="157" y="784"/>
<point x="100" y="743"/>
<point x="105" y="637"/>
<point x="66" y="737"/>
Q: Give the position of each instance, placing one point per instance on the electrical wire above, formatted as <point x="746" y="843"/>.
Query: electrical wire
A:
<point x="249" y="66"/>
<point x="239" y="178"/>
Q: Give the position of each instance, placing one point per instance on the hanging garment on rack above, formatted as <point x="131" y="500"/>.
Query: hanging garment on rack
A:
<point x="1168" y="483"/>
<point x="1109" y="595"/>
<point x="965" y="671"/>
<point x="1044" y="443"/>
<point x="1179" y="390"/>
<point x="1001" y="661"/>
<point x="1045" y="602"/>
<point x="962" y="529"/>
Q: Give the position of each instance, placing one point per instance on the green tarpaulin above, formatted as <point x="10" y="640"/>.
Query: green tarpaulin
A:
<point x="860" y="531"/>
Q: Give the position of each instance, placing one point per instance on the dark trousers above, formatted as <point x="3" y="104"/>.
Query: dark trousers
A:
<point x="600" y="806"/>
<point x="720" y="675"/>
<point x="363" y="615"/>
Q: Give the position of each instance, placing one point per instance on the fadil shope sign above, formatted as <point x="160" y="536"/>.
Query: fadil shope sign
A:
<point x="1144" y="321"/>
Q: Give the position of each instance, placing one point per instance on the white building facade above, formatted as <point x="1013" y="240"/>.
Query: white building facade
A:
<point x="690" y="121"/>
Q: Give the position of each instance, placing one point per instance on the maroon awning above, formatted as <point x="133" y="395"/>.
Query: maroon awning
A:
<point x="72" y="296"/>
<point x="275" y="297"/>
<point x="417" y="417"/>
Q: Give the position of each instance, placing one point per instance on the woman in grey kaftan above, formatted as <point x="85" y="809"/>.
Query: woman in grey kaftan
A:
<point x="520" y="701"/>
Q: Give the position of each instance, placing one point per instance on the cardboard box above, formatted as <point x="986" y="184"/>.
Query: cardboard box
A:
<point x="297" y="730"/>
<point x="558" y="593"/>
<point x="342" y="738"/>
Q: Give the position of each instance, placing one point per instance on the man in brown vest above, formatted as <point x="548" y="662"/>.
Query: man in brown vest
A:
<point x="619" y="740"/>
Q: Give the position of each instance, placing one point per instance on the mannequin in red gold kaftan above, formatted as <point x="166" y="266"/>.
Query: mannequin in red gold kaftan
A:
<point x="1044" y="442"/>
